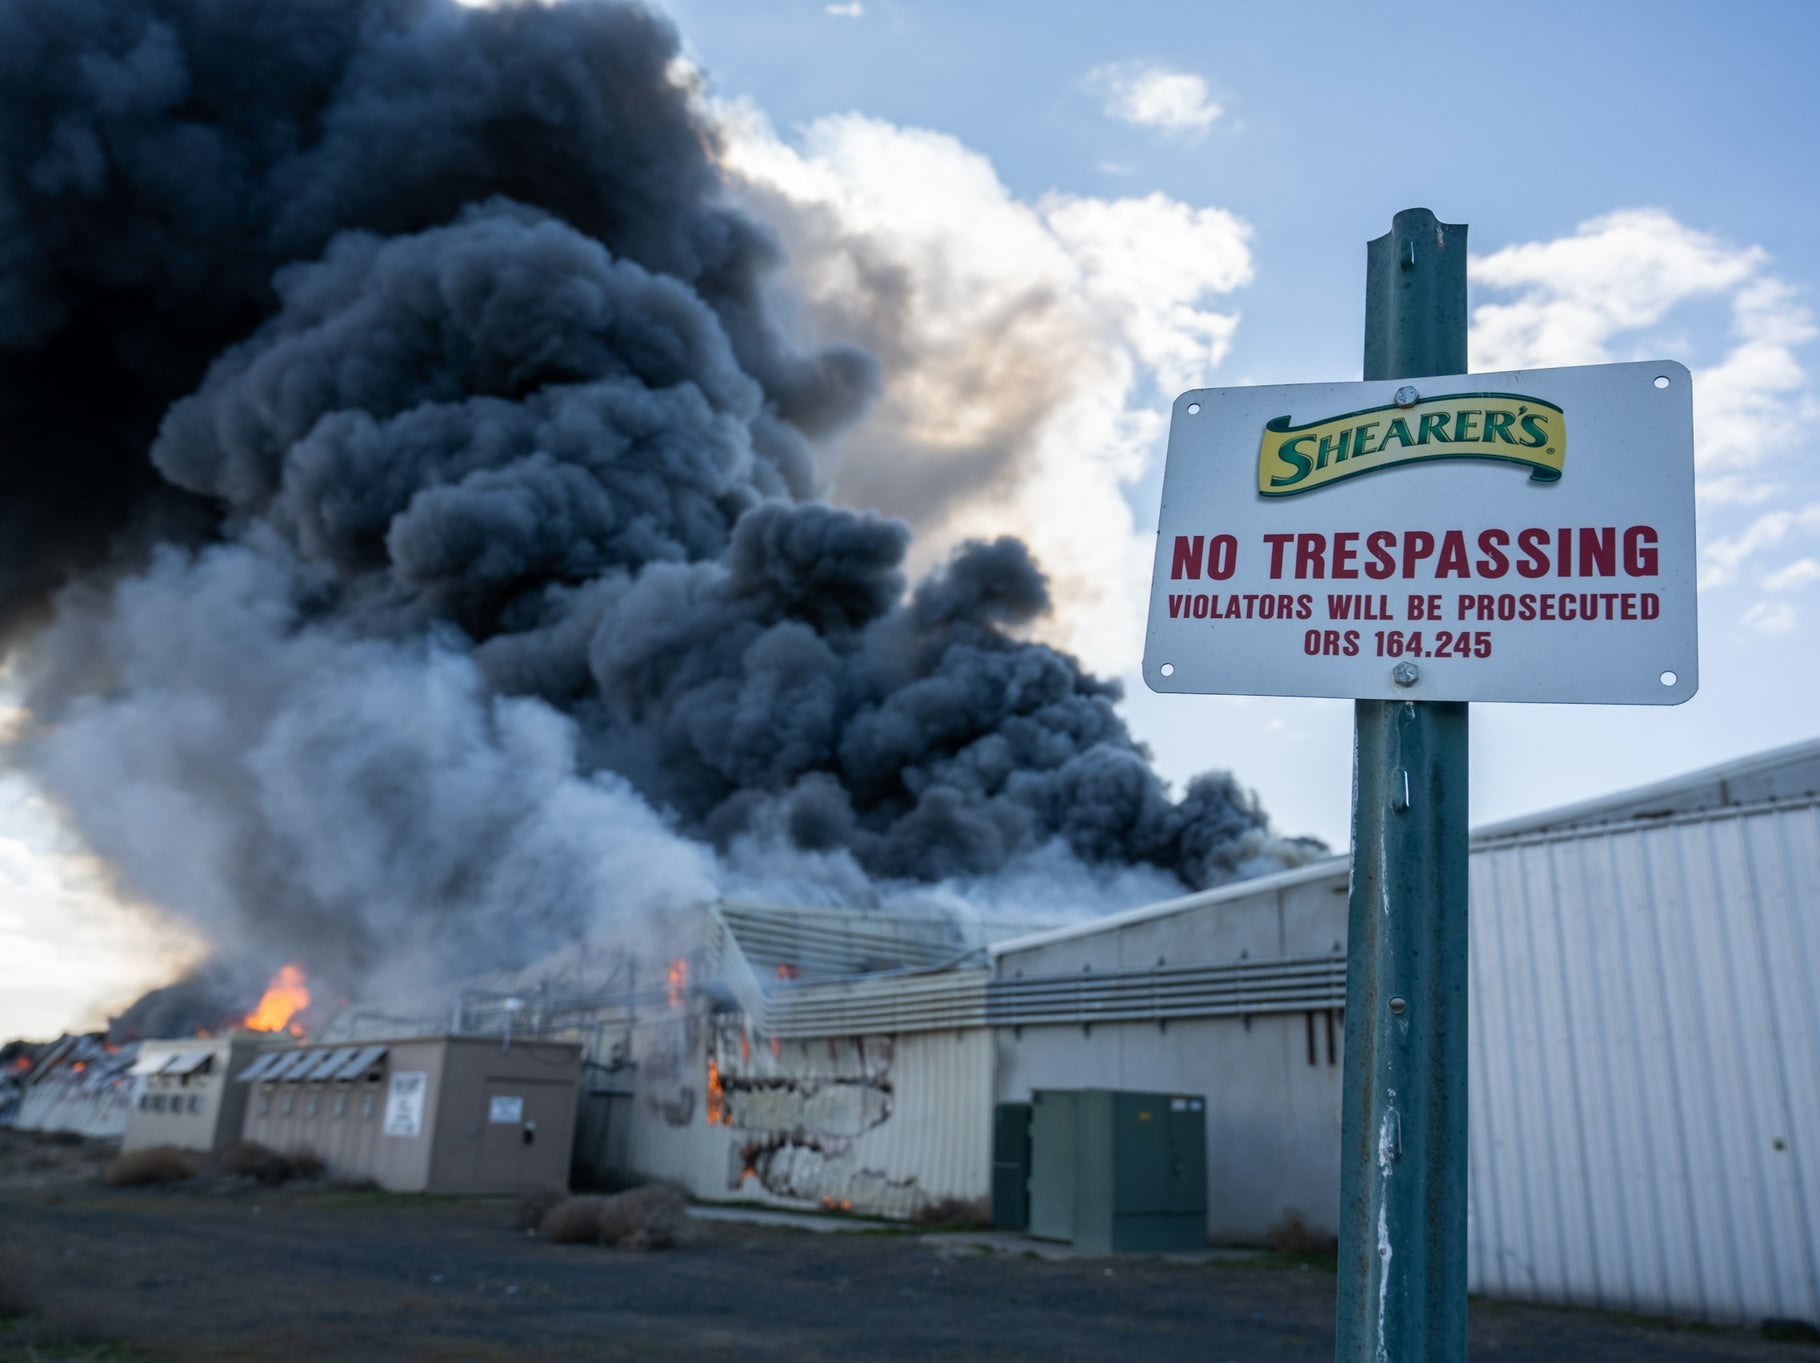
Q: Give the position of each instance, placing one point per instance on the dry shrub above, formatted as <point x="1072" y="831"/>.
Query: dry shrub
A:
<point x="535" y="1205"/>
<point x="574" y="1221"/>
<point x="250" y="1159"/>
<point x="154" y="1164"/>
<point x="1291" y="1235"/>
<point x="644" y="1218"/>
<point x="301" y="1161"/>
<point x="20" y="1295"/>
<point x="955" y="1211"/>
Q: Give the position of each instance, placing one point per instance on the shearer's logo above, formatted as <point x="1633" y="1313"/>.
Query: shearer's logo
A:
<point x="1505" y="426"/>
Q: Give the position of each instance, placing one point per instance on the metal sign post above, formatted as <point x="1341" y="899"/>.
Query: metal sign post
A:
<point x="1402" y="1267"/>
<point x="1417" y="541"/>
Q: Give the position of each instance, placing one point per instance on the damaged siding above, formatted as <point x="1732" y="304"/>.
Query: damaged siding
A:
<point x="880" y="1124"/>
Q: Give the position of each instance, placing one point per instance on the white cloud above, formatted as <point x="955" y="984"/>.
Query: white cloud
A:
<point x="1794" y="576"/>
<point x="1772" y="618"/>
<point x="71" y="950"/>
<point x="1149" y="263"/>
<point x="1617" y="277"/>
<point x="1725" y="558"/>
<point x="1640" y="284"/>
<point x="1617" y="273"/>
<point x="1023" y="344"/>
<point x="1155" y="96"/>
<point x="853" y="9"/>
<point x="1730" y="489"/>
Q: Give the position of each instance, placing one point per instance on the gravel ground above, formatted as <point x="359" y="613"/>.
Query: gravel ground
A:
<point x="89" y="1272"/>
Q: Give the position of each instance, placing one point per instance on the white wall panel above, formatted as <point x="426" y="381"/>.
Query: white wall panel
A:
<point x="1645" y="1086"/>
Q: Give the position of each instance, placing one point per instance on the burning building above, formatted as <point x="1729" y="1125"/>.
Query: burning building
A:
<point x="16" y="1060"/>
<point x="802" y="1057"/>
<point x="455" y="574"/>
<point x="80" y="1084"/>
<point x="453" y="569"/>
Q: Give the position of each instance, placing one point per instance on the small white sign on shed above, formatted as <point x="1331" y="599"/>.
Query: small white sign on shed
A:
<point x="404" y="1103"/>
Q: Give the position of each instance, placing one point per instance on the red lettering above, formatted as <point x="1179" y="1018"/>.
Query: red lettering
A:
<point x="1222" y="556"/>
<point x="1492" y="544"/>
<point x="1640" y="558"/>
<point x="1417" y="545"/>
<point x="1278" y="543"/>
<point x="1453" y="556"/>
<point x="1533" y="542"/>
<point x="1345" y="550"/>
<point x="1310" y="556"/>
<point x="1598" y="551"/>
<point x="1187" y="560"/>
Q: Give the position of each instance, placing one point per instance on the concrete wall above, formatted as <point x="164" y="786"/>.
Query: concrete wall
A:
<point x="198" y="1110"/>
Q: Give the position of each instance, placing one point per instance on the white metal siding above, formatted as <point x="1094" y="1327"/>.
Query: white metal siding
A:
<point x="1645" y="1085"/>
<point x="1273" y="1129"/>
<point x="940" y="1133"/>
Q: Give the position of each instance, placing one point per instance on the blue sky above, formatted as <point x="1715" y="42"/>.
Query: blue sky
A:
<point x="1637" y="180"/>
<point x="1081" y="209"/>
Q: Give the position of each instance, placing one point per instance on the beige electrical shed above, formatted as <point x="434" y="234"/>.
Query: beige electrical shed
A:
<point x="184" y="1093"/>
<point x="441" y="1114"/>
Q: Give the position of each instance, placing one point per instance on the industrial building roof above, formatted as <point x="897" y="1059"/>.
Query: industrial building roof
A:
<point x="1780" y="774"/>
<point x="1314" y="871"/>
<point x="796" y="942"/>
<point x="1790" y="773"/>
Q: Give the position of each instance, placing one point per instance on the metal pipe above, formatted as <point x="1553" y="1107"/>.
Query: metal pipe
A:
<point x="1402" y="1268"/>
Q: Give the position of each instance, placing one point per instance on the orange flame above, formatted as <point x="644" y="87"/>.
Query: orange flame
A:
<point x="717" y="1096"/>
<point x="833" y="1204"/>
<point x="677" y="981"/>
<point x="285" y="997"/>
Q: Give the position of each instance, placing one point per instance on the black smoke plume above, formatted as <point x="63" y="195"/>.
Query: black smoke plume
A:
<point x="410" y="507"/>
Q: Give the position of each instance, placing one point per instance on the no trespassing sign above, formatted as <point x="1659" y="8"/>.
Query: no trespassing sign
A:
<point x="1517" y="536"/>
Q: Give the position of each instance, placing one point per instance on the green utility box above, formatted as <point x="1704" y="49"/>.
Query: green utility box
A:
<point x="1011" y="1165"/>
<point x="1111" y="1170"/>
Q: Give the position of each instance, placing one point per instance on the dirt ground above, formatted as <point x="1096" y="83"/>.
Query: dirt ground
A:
<point x="93" y="1272"/>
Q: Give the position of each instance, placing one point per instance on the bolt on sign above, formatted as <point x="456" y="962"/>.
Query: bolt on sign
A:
<point x="1520" y="536"/>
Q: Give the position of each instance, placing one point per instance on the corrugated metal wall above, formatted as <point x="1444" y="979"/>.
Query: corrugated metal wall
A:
<point x="939" y="1135"/>
<point x="1645" y="1085"/>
